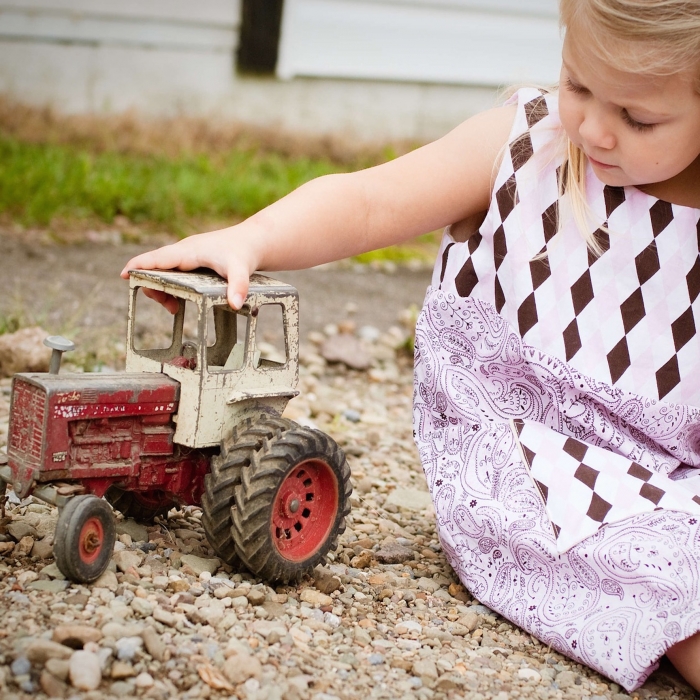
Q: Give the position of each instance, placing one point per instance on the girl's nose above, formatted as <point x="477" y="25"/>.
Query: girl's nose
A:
<point x="595" y="131"/>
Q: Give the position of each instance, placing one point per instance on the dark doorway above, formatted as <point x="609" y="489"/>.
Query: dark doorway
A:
<point x="260" y="36"/>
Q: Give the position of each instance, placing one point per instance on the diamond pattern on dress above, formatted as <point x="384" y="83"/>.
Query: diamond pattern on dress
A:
<point x="647" y="263"/>
<point x="527" y="315"/>
<point x="550" y="221"/>
<point x="661" y="216"/>
<point x="506" y="197"/>
<point x="683" y="328"/>
<point x="614" y="197"/>
<point x="521" y="151"/>
<point x="619" y="360"/>
<point x="466" y="279"/>
<point x="585" y="487"/>
<point x="536" y="110"/>
<point x="582" y="292"/>
<point x="499" y="247"/>
<point x="540" y="272"/>
<point x="632" y="310"/>
<point x="693" y="280"/>
<point x="572" y="340"/>
<point x="668" y="377"/>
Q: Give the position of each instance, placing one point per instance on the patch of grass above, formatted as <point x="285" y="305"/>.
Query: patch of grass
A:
<point x="40" y="183"/>
<point x="421" y="249"/>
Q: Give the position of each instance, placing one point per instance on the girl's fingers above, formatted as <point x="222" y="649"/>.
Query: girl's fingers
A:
<point x="238" y="279"/>
<point x="167" y="300"/>
<point x="169" y="257"/>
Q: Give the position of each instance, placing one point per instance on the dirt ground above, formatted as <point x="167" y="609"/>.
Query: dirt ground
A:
<point x="75" y="290"/>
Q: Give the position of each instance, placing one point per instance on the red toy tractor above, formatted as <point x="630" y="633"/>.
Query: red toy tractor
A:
<point x="194" y="420"/>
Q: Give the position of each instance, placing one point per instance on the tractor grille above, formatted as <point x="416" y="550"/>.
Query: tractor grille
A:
<point x="26" y="436"/>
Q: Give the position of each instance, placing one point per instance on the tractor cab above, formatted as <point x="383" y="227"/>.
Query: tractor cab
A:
<point x="220" y="357"/>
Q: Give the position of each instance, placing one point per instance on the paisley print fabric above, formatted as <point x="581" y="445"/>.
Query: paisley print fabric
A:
<point x="566" y="484"/>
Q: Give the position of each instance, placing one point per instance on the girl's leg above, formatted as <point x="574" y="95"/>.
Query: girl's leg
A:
<point x="685" y="656"/>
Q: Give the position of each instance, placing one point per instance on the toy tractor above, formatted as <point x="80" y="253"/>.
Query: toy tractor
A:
<point x="192" y="421"/>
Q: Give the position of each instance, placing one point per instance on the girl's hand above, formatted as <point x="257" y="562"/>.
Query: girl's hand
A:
<point x="223" y="251"/>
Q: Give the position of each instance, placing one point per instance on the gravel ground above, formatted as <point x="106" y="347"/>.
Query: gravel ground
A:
<point x="385" y="618"/>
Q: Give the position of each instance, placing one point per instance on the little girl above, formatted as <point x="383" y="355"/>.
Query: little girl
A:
<point x="557" y="389"/>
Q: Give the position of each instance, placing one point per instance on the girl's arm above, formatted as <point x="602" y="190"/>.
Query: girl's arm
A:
<point x="337" y="216"/>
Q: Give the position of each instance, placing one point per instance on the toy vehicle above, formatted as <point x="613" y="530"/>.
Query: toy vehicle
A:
<point x="192" y="421"/>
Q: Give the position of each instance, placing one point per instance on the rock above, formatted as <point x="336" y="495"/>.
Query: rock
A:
<point x="123" y="689"/>
<point x="315" y="597"/>
<point x="459" y="592"/>
<point x="84" y="670"/>
<point x="429" y="585"/>
<point x="566" y="679"/>
<point x="393" y="554"/>
<point x="108" y="580"/>
<point x="52" y="686"/>
<point x="363" y="560"/>
<point x="529" y="674"/>
<point x="347" y="349"/>
<point x="154" y="644"/>
<point x="19" y="529"/>
<point x="42" y="549"/>
<point x="127" y="559"/>
<point x="239" y="602"/>
<point x="255" y="596"/>
<point x="408" y="626"/>
<point x="198" y="564"/>
<point x="142" y="607"/>
<point x="25" y="545"/>
<point x="76" y="636"/>
<point x="165" y="617"/>
<point x="361" y="637"/>
<point x="136" y="531"/>
<point x="240" y="667"/>
<point x="144" y="680"/>
<point x="409" y="499"/>
<point x="58" y="668"/>
<point x="424" y="668"/>
<point x="41" y="650"/>
<point x="325" y="582"/>
<point x="49" y="586"/>
<point x="52" y="571"/>
<point x="24" y="351"/>
<point x="121" y="670"/>
<point x="127" y="647"/>
<point x="21" y="666"/>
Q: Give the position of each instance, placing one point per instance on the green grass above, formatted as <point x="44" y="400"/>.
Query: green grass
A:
<point x="45" y="185"/>
<point x="42" y="183"/>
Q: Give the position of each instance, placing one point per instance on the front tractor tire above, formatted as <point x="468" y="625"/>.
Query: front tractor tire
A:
<point x="287" y="500"/>
<point x="84" y="539"/>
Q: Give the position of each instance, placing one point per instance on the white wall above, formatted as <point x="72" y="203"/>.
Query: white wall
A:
<point x="469" y="42"/>
<point x="164" y="57"/>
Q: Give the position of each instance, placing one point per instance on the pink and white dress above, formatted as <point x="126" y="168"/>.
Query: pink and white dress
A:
<point x="556" y="410"/>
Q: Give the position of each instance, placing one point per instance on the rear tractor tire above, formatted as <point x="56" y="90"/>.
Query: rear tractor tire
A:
<point x="144" y="507"/>
<point x="291" y="499"/>
<point x="85" y="537"/>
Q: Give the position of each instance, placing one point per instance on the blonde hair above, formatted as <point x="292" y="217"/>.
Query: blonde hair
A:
<point x="653" y="37"/>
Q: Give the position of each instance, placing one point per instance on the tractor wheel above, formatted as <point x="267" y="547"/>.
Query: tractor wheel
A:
<point x="291" y="502"/>
<point x="143" y="507"/>
<point x="84" y="540"/>
<point x="225" y="475"/>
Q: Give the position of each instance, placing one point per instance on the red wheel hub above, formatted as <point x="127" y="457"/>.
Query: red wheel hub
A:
<point x="304" y="510"/>
<point x="91" y="539"/>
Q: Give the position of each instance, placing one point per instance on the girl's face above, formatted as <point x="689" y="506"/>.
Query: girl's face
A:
<point x="634" y="129"/>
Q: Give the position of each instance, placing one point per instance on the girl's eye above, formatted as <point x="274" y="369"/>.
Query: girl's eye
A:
<point x="639" y="126"/>
<point x="578" y="89"/>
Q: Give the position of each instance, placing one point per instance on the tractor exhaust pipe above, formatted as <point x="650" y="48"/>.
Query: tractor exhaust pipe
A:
<point x="59" y="345"/>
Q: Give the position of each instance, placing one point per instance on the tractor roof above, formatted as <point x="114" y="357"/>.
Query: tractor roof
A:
<point x="207" y="283"/>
